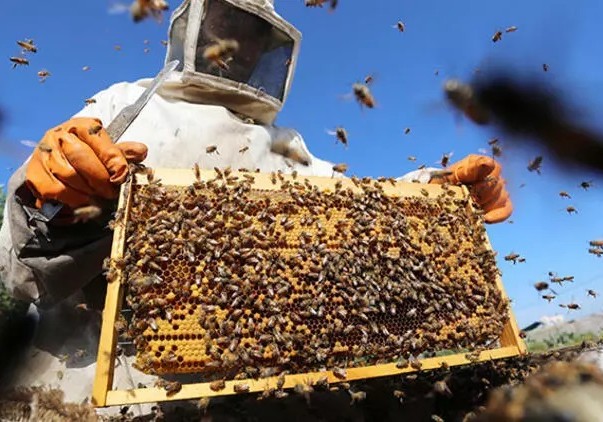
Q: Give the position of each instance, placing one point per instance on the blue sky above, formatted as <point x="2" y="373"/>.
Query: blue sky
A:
<point x="337" y="50"/>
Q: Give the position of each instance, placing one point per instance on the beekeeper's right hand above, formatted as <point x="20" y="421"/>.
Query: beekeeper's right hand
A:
<point x="76" y="162"/>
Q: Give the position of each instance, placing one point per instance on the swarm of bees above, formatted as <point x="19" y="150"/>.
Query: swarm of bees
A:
<point x="596" y="247"/>
<point x="226" y="279"/>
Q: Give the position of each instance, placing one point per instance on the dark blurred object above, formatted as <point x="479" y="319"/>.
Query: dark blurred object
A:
<point x="560" y="391"/>
<point x="526" y="107"/>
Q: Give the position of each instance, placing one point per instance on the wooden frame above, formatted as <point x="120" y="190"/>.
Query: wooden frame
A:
<point x="103" y="394"/>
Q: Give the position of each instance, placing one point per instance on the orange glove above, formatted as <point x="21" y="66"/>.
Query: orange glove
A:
<point x="76" y="162"/>
<point x="482" y="175"/>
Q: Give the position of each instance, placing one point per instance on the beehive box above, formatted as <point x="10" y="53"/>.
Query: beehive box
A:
<point x="245" y="276"/>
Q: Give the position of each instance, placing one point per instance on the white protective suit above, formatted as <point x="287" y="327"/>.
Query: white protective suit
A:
<point x="51" y="266"/>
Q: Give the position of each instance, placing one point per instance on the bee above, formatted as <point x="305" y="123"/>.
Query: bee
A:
<point x="211" y="149"/>
<point x="22" y="61"/>
<point x="573" y="306"/>
<point x="146" y="50"/>
<point x="244" y="149"/>
<point x="496" y="151"/>
<point x="441" y="387"/>
<point x="340" y="168"/>
<point x="541" y="285"/>
<point x="363" y="95"/>
<point x="596" y="251"/>
<point x="548" y="298"/>
<point x="356" y="396"/>
<point x="497" y="36"/>
<point x="164" y="43"/>
<point x="402" y="363"/>
<point x="27" y="46"/>
<point x="564" y="194"/>
<point x="221" y="52"/>
<point x="445" y="159"/>
<point x="400" y="395"/>
<point x="197" y="171"/>
<point x="411" y="158"/>
<point x="86" y="213"/>
<point x="315" y="3"/>
<point x="117" y="47"/>
<point x="400" y="26"/>
<point x="511" y="29"/>
<point x="407" y="131"/>
<point x="140" y="9"/>
<point x="89" y="101"/>
<point x="463" y="98"/>
<point x="340" y="373"/>
<point x="368" y="79"/>
<point x="86" y="68"/>
<point x="170" y="387"/>
<point x="241" y="388"/>
<point x="512" y="257"/>
<point x="571" y="210"/>
<point x="592" y="293"/>
<point x="535" y="164"/>
<point x="340" y="134"/>
<point x="93" y="130"/>
<point x="545" y="67"/>
<point x="217" y="385"/>
<point x="203" y="404"/>
<point x="436" y="418"/>
<point x="43" y="75"/>
<point x="585" y="185"/>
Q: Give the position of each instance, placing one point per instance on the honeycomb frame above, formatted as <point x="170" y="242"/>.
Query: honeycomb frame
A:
<point x="103" y="393"/>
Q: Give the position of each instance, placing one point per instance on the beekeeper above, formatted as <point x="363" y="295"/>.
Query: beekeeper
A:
<point x="230" y="105"/>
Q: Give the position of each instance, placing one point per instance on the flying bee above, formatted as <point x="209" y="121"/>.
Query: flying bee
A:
<point x="573" y="306"/>
<point x="497" y="36"/>
<point x="596" y="251"/>
<point x="545" y="67"/>
<point x="87" y="213"/>
<point x="211" y="149"/>
<point x="340" y="134"/>
<point x="541" y="285"/>
<point x="548" y="298"/>
<point x="400" y="395"/>
<point x="445" y="159"/>
<point x="221" y="52"/>
<point x="363" y="95"/>
<point x="315" y="3"/>
<point x="197" y="171"/>
<point x="43" y="75"/>
<point x="511" y="29"/>
<point x="22" y="61"/>
<point x="496" y="150"/>
<point x="596" y="243"/>
<point x="356" y="396"/>
<point x="571" y="210"/>
<point x="441" y="387"/>
<point x="592" y="293"/>
<point x="340" y="168"/>
<point x="89" y="101"/>
<point x="140" y="9"/>
<point x="586" y="184"/>
<point x="86" y="68"/>
<point x="512" y="257"/>
<point x="463" y="98"/>
<point x="564" y="194"/>
<point x="400" y="26"/>
<point x="28" y="46"/>
<point x="535" y="164"/>
<point x="407" y="131"/>
<point x="411" y="158"/>
<point x="368" y="79"/>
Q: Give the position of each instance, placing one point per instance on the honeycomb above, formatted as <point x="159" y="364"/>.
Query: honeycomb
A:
<point x="224" y="278"/>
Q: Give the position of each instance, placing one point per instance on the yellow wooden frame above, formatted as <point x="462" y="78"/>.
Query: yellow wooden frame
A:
<point x="103" y="394"/>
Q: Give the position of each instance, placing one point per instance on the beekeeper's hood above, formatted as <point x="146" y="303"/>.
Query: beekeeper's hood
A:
<point x="256" y="79"/>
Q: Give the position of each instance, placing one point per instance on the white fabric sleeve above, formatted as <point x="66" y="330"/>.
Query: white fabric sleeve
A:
<point x="422" y="175"/>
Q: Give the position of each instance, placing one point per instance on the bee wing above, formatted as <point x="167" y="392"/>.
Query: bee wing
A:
<point x="331" y="132"/>
<point x="347" y="97"/>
